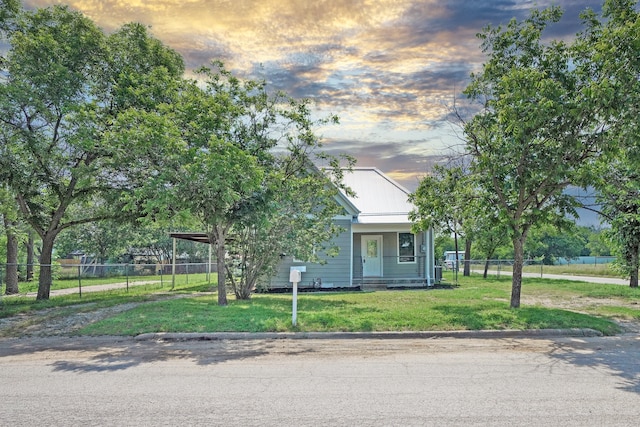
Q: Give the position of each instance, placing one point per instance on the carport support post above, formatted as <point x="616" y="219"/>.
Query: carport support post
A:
<point x="209" y="266"/>
<point x="173" y="265"/>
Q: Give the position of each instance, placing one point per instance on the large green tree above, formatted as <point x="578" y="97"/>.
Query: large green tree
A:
<point x="238" y="154"/>
<point x="611" y="44"/>
<point x="537" y="128"/>
<point x="210" y="171"/>
<point x="8" y="11"/>
<point x="69" y="88"/>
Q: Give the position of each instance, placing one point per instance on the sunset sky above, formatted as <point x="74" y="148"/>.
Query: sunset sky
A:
<point x="390" y="69"/>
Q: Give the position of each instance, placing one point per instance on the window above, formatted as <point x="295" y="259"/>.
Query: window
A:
<point x="406" y="247"/>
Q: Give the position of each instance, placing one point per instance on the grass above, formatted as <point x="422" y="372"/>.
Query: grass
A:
<point x="476" y="304"/>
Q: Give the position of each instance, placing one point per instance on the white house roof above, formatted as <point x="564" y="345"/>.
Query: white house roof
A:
<point x="378" y="198"/>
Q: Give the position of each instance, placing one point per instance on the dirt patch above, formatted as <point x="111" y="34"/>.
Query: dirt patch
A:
<point x="579" y="304"/>
<point x="50" y="322"/>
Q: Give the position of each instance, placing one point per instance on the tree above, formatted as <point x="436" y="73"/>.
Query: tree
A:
<point x="536" y="131"/>
<point x="488" y="233"/>
<point x="298" y="220"/>
<point x="619" y="196"/>
<point x="30" y="258"/>
<point x="8" y="11"/>
<point x="101" y="240"/>
<point x="14" y="231"/>
<point x="611" y="48"/>
<point x="208" y="174"/>
<point x="597" y="244"/>
<point x="58" y="126"/>
<point x="549" y="243"/>
<point x="238" y="155"/>
<point x="11" y="271"/>
<point x="440" y="201"/>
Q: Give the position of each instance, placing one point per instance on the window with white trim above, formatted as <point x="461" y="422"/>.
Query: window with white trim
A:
<point x="406" y="248"/>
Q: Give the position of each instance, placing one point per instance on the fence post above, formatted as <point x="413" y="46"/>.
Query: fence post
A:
<point x="80" y="280"/>
<point x="209" y="266"/>
<point x="126" y="273"/>
<point x="173" y="265"/>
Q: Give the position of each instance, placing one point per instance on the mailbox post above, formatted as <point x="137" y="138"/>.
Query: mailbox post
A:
<point x="295" y="275"/>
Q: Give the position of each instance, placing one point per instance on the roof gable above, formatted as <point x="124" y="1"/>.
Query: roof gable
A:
<point x="378" y="198"/>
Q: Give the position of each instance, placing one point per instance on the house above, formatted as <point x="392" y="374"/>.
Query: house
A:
<point x="377" y="247"/>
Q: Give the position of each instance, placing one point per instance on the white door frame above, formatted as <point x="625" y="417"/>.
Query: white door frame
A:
<point x="371" y="266"/>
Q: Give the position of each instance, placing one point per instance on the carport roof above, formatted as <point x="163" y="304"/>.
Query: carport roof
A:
<point x="194" y="237"/>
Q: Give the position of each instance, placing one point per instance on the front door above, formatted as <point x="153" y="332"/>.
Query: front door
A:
<point x="372" y="256"/>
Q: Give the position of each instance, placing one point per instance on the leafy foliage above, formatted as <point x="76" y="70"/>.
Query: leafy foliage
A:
<point x="57" y="153"/>
<point x="240" y="161"/>
<point x="612" y="44"/>
<point x="537" y="130"/>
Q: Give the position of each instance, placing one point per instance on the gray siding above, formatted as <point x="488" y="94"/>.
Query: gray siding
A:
<point x="391" y="268"/>
<point x="334" y="273"/>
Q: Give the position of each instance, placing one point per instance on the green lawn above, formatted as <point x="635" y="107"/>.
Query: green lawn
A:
<point x="476" y="304"/>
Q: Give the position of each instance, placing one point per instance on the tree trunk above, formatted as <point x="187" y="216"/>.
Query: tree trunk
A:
<point x="30" y="256"/>
<point x="46" y="276"/>
<point x="220" y="237"/>
<point x="467" y="258"/>
<point x="516" y="279"/>
<point x="11" y="277"/>
<point x="486" y="264"/>
<point x="635" y="264"/>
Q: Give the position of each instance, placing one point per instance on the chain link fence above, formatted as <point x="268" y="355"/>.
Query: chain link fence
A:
<point x="582" y="266"/>
<point x="69" y="275"/>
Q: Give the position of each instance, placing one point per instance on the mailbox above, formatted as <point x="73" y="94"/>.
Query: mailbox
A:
<point x="295" y="276"/>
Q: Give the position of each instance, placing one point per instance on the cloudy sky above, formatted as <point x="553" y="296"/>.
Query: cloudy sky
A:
<point x="390" y="69"/>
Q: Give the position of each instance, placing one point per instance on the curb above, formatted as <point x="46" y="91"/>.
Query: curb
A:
<point x="510" y="333"/>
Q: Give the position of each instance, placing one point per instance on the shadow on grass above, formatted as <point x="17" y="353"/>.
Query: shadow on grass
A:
<point x="494" y="316"/>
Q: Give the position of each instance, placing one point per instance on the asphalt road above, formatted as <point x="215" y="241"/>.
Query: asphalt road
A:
<point x="351" y="382"/>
